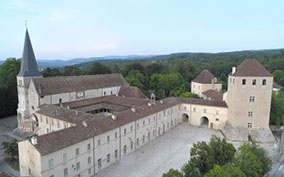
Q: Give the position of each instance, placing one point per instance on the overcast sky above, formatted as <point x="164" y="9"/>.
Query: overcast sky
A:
<point x="64" y="29"/>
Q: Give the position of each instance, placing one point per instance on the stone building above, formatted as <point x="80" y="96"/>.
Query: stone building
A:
<point x="83" y="124"/>
<point x="206" y="86"/>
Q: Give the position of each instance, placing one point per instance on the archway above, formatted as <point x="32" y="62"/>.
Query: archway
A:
<point x="185" y="118"/>
<point x="204" y="122"/>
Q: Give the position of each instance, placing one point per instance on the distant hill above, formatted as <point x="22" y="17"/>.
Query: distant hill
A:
<point x="75" y="61"/>
<point x="171" y="58"/>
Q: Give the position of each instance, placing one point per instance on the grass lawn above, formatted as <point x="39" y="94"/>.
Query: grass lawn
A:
<point x="14" y="163"/>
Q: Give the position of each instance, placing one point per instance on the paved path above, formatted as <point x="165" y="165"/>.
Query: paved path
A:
<point x="7" y="125"/>
<point x="158" y="156"/>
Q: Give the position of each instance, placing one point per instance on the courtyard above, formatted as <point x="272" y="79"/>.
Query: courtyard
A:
<point x="171" y="150"/>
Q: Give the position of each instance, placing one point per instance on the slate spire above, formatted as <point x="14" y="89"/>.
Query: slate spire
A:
<point x="28" y="64"/>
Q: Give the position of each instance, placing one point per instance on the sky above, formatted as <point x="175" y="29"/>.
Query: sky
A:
<point x="68" y="29"/>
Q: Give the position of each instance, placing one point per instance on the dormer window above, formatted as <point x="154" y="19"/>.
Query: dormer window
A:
<point x="244" y="81"/>
<point x="254" y="82"/>
<point x="264" y="82"/>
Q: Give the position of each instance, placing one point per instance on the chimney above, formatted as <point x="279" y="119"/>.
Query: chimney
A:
<point x="34" y="140"/>
<point x="76" y="112"/>
<point x="161" y="101"/>
<point x="234" y="69"/>
<point x="149" y="104"/>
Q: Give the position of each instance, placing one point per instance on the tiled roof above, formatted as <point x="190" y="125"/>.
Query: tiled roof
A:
<point x="98" y="124"/>
<point x="205" y="77"/>
<point x="251" y="67"/>
<point x="213" y="94"/>
<point x="65" y="84"/>
<point x="28" y="63"/>
<point x="112" y="99"/>
<point x="131" y="91"/>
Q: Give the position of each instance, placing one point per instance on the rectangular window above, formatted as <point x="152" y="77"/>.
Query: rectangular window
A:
<point x="108" y="138"/>
<point x="137" y="125"/>
<point x="50" y="163"/>
<point x="217" y="112"/>
<point x="217" y="119"/>
<point x="115" y="135"/>
<point x="89" y="146"/>
<point x="77" y="152"/>
<point x="124" y="149"/>
<point x="143" y="122"/>
<point x="251" y="99"/>
<point x="46" y="120"/>
<point x="131" y="144"/>
<point x="131" y="128"/>
<point x="149" y="120"/>
<point x="204" y="110"/>
<point x="78" y="166"/>
<point x="244" y="81"/>
<point x="65" y="172"/>
<point x="58" y="124"/>
<point x="137" y="141"/>
<point x="249" y="125"/>
<point x="99" y="163"/>
<point x="250" y="114"/>
<point x="99" y="142"/>
<point x="115" y="154"/>
<point x="125" y="131"/>
<point x="194" y="109"/>
<point x="89" y="170"/>
<point x="264" y="82"/>
<point x="185" y="108"/>
<point x="89" y="160"/>
<point x="64" y="157"/>
<point x="108" y="158"/>
<point x="254" y="82"/>
<point x="143" y="138"/>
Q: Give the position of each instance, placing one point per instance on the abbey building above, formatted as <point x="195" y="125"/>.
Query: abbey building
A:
<point x="83" y="124"/>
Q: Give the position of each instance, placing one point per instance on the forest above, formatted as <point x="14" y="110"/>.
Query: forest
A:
<point x="164" y="75"/>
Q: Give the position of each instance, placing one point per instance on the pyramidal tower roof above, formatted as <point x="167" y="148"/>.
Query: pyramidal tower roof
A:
<point x="251" y="67"/>
<point x="205" y="77"/>
<point x="28" y="64"/>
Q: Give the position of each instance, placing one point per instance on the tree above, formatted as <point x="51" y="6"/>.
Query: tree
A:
<point x="216" y="152"/>
<point x="279" y="76"/>
<point x="154" y="68"/>
<point x="217" y="171"/>
<point x="189" y="170"/>
<point x="188" y="95"/>
<point x="8" y="84"/>
<point x="49" y="72"/>
<point x="98" y="68"/>
<point x="173" y="173"/>
<point x="277" y="109"/>
<point x="222" y="151"/>
<point x="252" y="160"/>
<point x="11" y="149"/>
<point x="136" y="78"/>
<point x="225" y="171"/>
<point x="133" y="66"/>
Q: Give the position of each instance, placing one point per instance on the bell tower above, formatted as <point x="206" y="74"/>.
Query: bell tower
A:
<point x="28" y="71"/>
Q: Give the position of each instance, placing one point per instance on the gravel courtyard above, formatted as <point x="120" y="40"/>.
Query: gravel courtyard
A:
<point x="156" y="157"/>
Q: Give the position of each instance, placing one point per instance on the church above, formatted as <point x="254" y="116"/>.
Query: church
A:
<point x="83" y="124"/>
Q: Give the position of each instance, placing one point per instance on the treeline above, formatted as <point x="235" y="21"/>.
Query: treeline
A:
<point x="218" y="158"/>
<point x="168" y="75"/>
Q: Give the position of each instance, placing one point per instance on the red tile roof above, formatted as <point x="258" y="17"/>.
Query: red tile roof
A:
<point x="251" y="67"/>
<point x="98" y="124"/>
<point x="213" y="94"/>
<point x="131" y="91"/>
<point x="205" y="77"/>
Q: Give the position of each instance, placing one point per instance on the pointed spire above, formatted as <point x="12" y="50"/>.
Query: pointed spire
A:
<point x="28" y="64"/>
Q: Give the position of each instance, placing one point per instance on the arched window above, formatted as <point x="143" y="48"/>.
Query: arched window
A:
<point x="254" y="82"/>
<point x="60" y="100"/>
<point x="264" y="82"/>
<point x="244" y="81"/>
